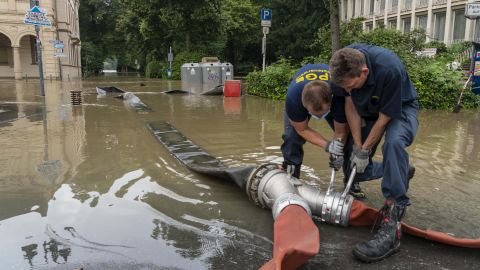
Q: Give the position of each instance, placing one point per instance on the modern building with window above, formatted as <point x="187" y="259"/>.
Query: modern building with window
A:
<point x="442" y="20"/>
<point x="17" y="40"/>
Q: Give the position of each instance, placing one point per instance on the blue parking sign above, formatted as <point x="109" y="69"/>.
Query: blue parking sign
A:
<point x="266" y="14"/>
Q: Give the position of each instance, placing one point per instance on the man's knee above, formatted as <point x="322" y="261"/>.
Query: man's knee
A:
<point x="393" y="146"/>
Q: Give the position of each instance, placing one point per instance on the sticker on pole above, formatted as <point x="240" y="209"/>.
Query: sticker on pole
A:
<point x="37" y="16"/>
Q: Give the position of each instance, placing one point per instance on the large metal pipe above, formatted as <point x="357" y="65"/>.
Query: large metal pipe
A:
<point x="269" y="187"/>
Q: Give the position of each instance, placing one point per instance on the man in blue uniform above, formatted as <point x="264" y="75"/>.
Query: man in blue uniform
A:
<point x="308" y="96"/>
<point x="380" y="99"/>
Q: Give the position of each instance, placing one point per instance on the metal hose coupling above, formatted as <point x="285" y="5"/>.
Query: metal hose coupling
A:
<point x="286" y="200"/>
<point x="269" y="187"/>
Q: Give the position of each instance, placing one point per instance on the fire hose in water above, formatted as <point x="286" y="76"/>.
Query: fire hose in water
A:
<point x="293" y="202"/>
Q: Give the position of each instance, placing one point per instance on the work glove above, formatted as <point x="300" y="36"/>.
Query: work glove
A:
<point x="359" y="158"/>
<point x="334" y="147"/>
<point x="336" y="162"/>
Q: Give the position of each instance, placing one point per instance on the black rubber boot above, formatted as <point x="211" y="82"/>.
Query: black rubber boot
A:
<point x="386" y="241"/>
<point x="411" y="172"/>
<point x="357" y="192"/>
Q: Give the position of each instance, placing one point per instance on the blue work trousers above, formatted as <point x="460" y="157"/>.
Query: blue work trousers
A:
<point x="399" y="134"/>
<point x="292" y="148"/>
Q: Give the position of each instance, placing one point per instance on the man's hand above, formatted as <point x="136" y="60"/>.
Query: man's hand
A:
<point x="336" y="162"/>
<point x="334" y="147"/>
<point x="359" y="158"/>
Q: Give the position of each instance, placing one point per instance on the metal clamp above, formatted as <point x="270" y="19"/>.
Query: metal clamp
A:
<point x="350" y="181"/>
<point x="334" y="172"/>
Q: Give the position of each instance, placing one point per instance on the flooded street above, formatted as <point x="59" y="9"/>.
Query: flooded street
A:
<point x="89" y="186"/>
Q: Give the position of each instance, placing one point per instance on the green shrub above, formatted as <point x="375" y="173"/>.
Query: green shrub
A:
<point x="154" y="69"/>
<point x="459" y="47"/>
<point x="92" y="58"/>
<point x="440" y="46"/>
<point x="272" y="83"/>
<point x="438" y="87"/>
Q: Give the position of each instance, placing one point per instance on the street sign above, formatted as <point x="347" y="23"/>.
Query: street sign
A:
<point x="58" y="48"/>
<point x="170" y="57"/>
<point x="265" y="30"/>
<point x="37" y="16"/>
<point x="266" y="14"/>
<point x="58" y="53"/>
<point x="59" y="45"/>
<point x="472" y="10"/>
<point x="266" y="17"/>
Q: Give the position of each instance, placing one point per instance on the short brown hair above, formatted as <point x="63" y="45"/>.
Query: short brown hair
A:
<point x="316" y="93"/>
<point x="346" y="63"/>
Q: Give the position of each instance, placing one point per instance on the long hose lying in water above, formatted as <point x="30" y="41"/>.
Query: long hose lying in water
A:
<point x="296" y="237"/>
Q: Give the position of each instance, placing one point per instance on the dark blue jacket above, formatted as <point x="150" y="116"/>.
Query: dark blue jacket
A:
<point x="387" y="88"/>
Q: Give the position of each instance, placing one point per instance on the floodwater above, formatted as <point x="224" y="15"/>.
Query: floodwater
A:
<point x="89" y="186"/>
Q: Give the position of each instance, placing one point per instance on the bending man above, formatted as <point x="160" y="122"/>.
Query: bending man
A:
<point x="308" y="96"/>
<point x="380" y="99"/>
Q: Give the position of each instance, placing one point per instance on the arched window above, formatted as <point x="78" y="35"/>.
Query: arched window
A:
<point x="5" y="51"/>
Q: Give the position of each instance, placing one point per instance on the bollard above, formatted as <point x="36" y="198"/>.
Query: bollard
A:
<point x="76" y="97"/>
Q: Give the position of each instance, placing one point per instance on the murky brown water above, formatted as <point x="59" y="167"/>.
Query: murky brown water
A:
<point x="90" y="187"/>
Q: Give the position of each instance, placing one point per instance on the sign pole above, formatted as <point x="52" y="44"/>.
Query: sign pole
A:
<point x="266" y="22"/>
<point x="40" y="62"/>
<point x="38" y="44"/>
<point x="264" y="50"/>
<point x="170" y="60"/>
<point x="472" y="12"/>
<point x="472" y="63"/>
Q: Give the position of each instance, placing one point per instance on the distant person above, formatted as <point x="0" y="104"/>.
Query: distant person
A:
<point x="308" y="96"/>
<point x="380" y="99"/>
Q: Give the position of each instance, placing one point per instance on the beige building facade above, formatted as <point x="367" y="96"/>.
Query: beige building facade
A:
<point x="442" y="20"/>
<point x="17" y="40"/>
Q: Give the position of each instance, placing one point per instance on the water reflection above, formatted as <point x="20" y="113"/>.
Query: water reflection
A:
<point x="76" y="228"/>
<point x="39" y="149"/>
<point x="55" y="249"/>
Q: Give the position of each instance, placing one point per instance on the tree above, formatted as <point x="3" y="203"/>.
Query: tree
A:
<point x="242" y="32"/>
<point x="294" y="25"/>
<point x="335" y="25"/>
<point x="97" y="30"/>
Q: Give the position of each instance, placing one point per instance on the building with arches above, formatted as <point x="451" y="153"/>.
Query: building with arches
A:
<point x="17" y="40"/>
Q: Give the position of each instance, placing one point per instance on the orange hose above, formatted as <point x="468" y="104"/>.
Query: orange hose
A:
<point x="296" y="239"/>
<point x="363" y="215"/>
